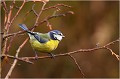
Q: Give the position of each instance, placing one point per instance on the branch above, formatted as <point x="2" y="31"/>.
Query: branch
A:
<point x="73" y="52"/>
<point x="13" y="66"/>
<point x="117" y="56"/>
<point x="11" y="40"/>
<point x="56" y="7"/>
<point x="27" y="59"/>
<point x="20" y="8"/>
<point x="45" y="20"/>
<point x="36" y="22"/>
<point x="13" y="57"/>
<point x="21" y="46"/>
<point x="50" y="17"/>
<point x="15" y="61"/>
<point x="4" y="6"/>
<point x="6" y="27"/>
<point x="32" y="10"/>
<point x="6" y="10"/>
<point x="77" y="65"/>
<point x="77" y="51"/>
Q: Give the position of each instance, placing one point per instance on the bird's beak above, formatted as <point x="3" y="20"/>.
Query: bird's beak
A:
<point x="63" y="36"/>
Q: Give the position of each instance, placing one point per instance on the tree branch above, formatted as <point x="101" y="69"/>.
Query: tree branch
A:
<point x="21" y="46"/>
<point x="6" y="27"/>
<point x="27" y="59"/>
<point x="73" y="52"/>
<point x="56" y="7"/>
<point x="77" y="65"/>
<point x="113" y="53"/>
<point x="15" y="61"/>
<point x="45" y="20"/>
<point x="20" y="8"/>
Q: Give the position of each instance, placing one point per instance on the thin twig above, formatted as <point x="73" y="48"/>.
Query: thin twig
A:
<point x="21" y="46"/>
<point x="15" y="61"/>
<point x="18" y="12"/>
<point x="6" y="11"/>
<point x="49" y="25"/>
<point x="13" y="57"/>
<point x="80" y="50"/>
<point x="27" y="59"/>
<point x="6" y="29"/>
<point x="8" y="24"/>
<point x="56" y="7"/>
<point x="13" y="66"/>
<point x="36" y="22"/>
<point x="77" y="65"/>
<point x="113" y="53"/>
<point x="4" y="6"/>
<point x="73" y="52"/>
<point x="32" y="10"/>
<point x="65" y="54"/>
<point x="8" y="48"/>
<point x="48" y="18"/>
<point x="53" y="16"/>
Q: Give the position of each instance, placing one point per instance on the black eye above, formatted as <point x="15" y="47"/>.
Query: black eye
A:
<point x="60" y="34"/>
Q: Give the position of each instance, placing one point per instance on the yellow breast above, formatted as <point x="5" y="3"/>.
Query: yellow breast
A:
<point x="44" y="47"/>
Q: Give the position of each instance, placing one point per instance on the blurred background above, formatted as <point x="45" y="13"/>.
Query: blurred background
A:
<point x="93" y="22"/>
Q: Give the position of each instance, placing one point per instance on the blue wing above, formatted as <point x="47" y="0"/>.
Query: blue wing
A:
<point x="40" y="38"/>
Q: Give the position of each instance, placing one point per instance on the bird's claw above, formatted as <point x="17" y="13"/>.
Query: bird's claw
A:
<point x="36" y="57"/>
<point x="52" y="55"/>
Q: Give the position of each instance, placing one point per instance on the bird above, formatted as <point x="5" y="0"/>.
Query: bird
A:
<point x="43" y="42"/>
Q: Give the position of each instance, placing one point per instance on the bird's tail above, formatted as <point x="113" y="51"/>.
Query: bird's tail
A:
<point x="23" y="26"/>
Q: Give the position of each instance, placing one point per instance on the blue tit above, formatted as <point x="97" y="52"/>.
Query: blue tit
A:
<point x="44" y="42"/>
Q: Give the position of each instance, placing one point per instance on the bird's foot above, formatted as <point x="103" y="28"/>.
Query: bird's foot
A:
<point x="36" y="57"/>
<point x="52" y="55"/>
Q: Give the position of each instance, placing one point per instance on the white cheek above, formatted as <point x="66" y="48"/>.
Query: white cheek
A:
<point x="58" y="37"/>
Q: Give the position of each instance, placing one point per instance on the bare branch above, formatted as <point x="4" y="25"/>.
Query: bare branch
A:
<point x="80" y="50"/>
<point x="4" y="6"/>
<point x="32" y="10"/>
<point x="54" y="16"/>
<point x="7" y="25"/>
<point x="15" y="61"/>
<point x="117" y="56"/>
<point x="48" y="18"/>
<point x="18" y="12"/>
<point x="77" y="65"/>
<point x="45" y="1"/>
<point x="10" y="44"/>
<point x="27" y="59"/>
<point x="6" y="11"/>
<point x="73" y="52"/>
<point x="21" y="46"/>
<point x="57" y="7"/>
<point x="49" y="25"/>
<point x="36" y="22"/>
<point x="12" y="67"/>
<point x="13" y="57"/>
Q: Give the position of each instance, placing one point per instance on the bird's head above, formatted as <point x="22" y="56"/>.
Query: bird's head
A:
<point x="56" y="35"/>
